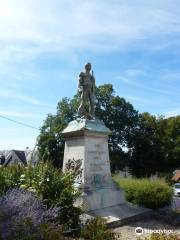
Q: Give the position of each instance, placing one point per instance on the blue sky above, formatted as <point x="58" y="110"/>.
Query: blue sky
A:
<point x="133" y="44"/>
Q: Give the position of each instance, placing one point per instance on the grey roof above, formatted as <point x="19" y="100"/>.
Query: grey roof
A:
<point x="30" y="155"/>
<point x="16" y="155"/>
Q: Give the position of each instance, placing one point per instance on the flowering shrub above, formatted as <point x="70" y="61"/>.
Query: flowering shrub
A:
<point x="56" y="187"/>
<point x="48" y="183"/>
<point x="10" y="177"/>
<point x="24" y="216"/>
<point x="96" y="229"/>
<point x="157" y="236"/>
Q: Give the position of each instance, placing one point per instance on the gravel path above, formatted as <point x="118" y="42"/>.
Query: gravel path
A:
<point x="128" y="231"/>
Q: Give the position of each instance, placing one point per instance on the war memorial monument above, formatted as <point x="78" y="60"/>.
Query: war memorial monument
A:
<point x="86" y="152"/>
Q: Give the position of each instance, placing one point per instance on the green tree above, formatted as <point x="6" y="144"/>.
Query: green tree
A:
<point x="117" y="114"/>
<point x="155" y="146"/>
<point x="121" y="118"/>
<point x="145" y="147"/>
<point x="145" y="143"/>
<point x="169" y="135"/>
<point x="50" y="140"/>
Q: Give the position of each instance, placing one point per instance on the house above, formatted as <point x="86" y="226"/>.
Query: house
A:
<point x="19" y="157"/>
<point x="176" y="176"/>
<point x="2" y="159"/>
<point x="15" y="157"/>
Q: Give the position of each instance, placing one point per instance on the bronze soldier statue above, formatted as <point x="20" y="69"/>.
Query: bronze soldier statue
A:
<point x="86" y="88"/>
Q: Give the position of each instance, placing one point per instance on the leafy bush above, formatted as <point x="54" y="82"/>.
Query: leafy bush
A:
<point x="144" y="192"/>
<point x="96" y="229"/>
<point x="156" y="236"/>
<point x="47" y="182"/>
<point x="24" y="216"/>
<point x="10" y="177"/>
<point x="57" y="188"/>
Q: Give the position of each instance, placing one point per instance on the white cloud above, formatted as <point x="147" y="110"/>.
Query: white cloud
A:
<point x="17" y="114"/>
<point x="129" y="76"/>
<point x="31" y="28"/>
<point x="174" y="112"/>
<point x="16" y="95"/>
<point x="170" y="75"/>
<point x="137" y="99"/>
<point x="136" y="78"/>
<point x="35" y="27"/>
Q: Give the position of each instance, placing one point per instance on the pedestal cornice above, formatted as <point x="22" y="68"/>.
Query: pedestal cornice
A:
<point x="80" y="126"/>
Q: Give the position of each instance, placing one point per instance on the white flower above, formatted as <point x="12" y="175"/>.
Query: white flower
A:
<point x="31" y="189"/>
<point x="47" y="179"/>
<point x="40" y="183"/>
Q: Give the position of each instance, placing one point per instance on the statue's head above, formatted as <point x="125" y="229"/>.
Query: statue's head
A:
<point x="88" y="67"/>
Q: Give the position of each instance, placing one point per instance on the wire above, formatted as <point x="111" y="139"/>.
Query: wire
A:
<point x="20" y="123"/>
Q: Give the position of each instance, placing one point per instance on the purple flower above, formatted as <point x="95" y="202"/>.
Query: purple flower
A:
<point x="21" y="212"/>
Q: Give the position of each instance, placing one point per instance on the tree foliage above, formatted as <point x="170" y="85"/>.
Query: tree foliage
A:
<point x="145" y="143"/>
<point x="50" y="140"/>
<point x="155" y="146"/>
<point x="118" y="115"/>
<point x="169" y="135"/>
<point x="121" y="118"/>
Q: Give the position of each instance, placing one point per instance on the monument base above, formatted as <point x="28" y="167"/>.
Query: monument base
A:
<point x="100" y="198"/>
<point x="86" y="151"/>
<point x="119" y="215"/>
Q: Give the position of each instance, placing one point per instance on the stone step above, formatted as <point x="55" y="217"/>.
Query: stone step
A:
<point x="121" y="214"/>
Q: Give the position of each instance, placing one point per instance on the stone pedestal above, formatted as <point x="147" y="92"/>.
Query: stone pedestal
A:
<point x="86" y="152"/>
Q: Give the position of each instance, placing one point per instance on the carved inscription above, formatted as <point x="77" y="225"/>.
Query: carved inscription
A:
<point x="96" y="157"/>
<point x="99" y="175"/>
<point x="96" y="167"/>
<point x="100" y="181"/>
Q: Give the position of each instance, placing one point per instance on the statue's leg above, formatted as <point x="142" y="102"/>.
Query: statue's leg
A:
<point x="81" y="106"/>
<point x="92" y="109"/>
<point x="81" y="110"/>
<point x="92" y="106"/>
